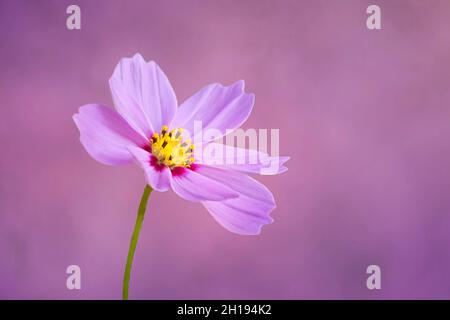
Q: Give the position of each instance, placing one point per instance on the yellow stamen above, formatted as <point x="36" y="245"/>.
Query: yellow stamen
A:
<point x="170" y="149"/>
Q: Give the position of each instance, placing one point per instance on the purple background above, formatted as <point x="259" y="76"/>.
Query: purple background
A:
<point x="363" y="114"/>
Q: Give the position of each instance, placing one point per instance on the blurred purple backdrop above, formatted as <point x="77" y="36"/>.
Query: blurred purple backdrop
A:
<point x="364" y="115"/>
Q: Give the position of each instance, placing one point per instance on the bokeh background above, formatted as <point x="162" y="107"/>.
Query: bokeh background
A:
<point x="364" y="115"/>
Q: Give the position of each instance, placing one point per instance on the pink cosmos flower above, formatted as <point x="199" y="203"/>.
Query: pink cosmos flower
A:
<point x="148" y="127"/>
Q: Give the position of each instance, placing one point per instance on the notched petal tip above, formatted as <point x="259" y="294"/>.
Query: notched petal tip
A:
<point x="284" y="159"/>
<point x="259" y="230"/>
<point x="138" y="56"/>
<point x="240" y="84"/>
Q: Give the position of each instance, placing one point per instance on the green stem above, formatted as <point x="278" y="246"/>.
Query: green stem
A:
<point x="134" y="239"/>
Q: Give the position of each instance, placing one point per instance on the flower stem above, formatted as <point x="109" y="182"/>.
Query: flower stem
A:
<point x="134" y="239"/>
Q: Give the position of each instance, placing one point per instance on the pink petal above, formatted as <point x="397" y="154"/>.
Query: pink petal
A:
<point x="158" y="177"/>
<point x="105" y="134"/>
<point x="243" y="215"/>
<point x="218" y="107"/>
<point x="240" y="159"/>
<point x="273" y="166"/>
<point x="194" y="186"/>
<point x="143" y="94"/>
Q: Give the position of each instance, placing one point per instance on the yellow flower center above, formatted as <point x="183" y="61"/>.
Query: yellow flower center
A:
<point x="170" y="150"/>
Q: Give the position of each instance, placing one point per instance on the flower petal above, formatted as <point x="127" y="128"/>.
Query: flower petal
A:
<point x="243" y="215"/>
<point x="143" y="94"/>
<point x="157" y="177"/>
<point x="217" y="107"/>
<point x="240" y="159"/>
<point x="193" y="186"/>
<point x="273" y="166"/>
<point x="105" y="134"/>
